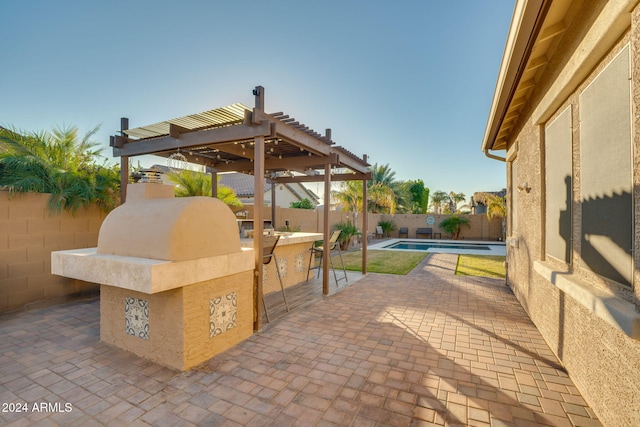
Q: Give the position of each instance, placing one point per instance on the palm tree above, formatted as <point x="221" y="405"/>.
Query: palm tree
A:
<point x="386" y="194"/>
<point x="382" y="199"/>
<point x="382" y="174"/>
<point x="349" y="197"/>
<point x="190" y="183"/>
<point x="453" y="200"/>
<point x="496" y="207"/>
<point x="60" y="163"/>
<point x="437" y="199"/>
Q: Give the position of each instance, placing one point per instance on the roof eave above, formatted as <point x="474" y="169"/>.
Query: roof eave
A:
<point x="525" y="24"/>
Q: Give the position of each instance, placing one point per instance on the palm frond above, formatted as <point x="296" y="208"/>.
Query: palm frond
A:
<point x="57" y="162"/>
<point x="190" y="183"/>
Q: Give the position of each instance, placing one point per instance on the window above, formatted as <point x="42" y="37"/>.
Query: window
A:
<point x="558" y="184"/>
<point x="514" y="198"/>
<point x="606" y="172"/>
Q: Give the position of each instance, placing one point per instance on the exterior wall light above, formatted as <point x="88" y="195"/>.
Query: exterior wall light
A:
<point x="524" y="186"/>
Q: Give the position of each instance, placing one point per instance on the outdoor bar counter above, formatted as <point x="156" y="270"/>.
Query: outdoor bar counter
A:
<point x="176" y="280"/>
<point x="292" y="252"/>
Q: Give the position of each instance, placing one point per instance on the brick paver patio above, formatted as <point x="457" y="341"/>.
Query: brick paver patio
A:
<point x="430" y="348"/>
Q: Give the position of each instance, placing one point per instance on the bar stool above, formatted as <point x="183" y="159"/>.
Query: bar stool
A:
<point x="269" y="245"/>
<point x="318" y="252"/>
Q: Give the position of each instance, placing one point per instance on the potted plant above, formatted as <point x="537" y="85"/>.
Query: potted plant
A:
<point x="387" y="227"/>
<point x="453" y="224"/>
<point x="348" y="231"/>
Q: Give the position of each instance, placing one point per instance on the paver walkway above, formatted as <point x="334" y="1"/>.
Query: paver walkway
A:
<point x="429" y="348"/>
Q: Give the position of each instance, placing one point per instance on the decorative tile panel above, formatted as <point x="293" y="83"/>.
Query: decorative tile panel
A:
<point x="223" y="314"/>
<point x="283" y="264"/>
<point x="136" y="314"/>
<point x="300" y="264"/>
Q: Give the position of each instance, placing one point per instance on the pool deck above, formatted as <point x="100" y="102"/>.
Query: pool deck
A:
<point x="426" y="349"/>
<point x="495" y="248"/>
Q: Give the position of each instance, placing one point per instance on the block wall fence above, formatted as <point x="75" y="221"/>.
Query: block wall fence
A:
<point x="29" y="233"/>
<point x="480" y="228"/>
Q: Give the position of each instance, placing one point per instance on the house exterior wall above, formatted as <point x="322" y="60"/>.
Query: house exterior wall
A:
<point x="599" y="351"/>
<point x="284" y="197"/>
<point x="28" y="234"/>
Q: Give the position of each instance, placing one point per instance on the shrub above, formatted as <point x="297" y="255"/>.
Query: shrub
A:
<point x="348" y="231"/>
<point x="387" y="227"/>
<point x="302" y="204"/>
<point x="453" y="224"/>
<point x="60" y="163"/>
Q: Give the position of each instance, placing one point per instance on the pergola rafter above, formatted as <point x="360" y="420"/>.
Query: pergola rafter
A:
<point x="240" y="139"/>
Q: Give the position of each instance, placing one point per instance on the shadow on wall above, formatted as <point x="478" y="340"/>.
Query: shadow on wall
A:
<point x="606" y="245"/>
<point x="606" y="240"/>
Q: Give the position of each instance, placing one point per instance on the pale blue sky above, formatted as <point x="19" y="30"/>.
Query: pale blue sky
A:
<point x="407" y="82"/>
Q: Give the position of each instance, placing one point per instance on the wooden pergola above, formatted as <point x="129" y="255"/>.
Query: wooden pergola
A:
<point x="240" y="139"/>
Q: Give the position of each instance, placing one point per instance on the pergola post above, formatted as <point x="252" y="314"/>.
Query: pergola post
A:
<point x="273" y="203"/>
<point x="124" y="164"/>
<point x="258" y="211"/>
<point x="258" y="225"/>
<point x="325" y="229"/>
<point x="365" y="222"/>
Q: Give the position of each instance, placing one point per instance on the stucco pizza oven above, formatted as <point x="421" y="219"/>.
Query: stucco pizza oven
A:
<point x="176" y="286"/>
<point x="171" y="229"/>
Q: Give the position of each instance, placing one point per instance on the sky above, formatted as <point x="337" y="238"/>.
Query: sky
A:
<point x="409" y="83"/>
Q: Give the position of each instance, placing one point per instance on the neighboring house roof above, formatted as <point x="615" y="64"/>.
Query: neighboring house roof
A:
<point x="479" y="198"/>
<point x="303" y="192"/>
<point x="243" y="184"/>
<point x="533" y="40"/>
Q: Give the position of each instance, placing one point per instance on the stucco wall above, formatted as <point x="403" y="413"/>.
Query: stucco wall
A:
<point x="603" y="361"/>
<point x="28" y="234"/>
<point x="178" y="333"/>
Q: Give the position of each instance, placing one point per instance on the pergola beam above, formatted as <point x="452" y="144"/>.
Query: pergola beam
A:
<point x="352" y="164"/>
<point x="175" y="130"/>
<point x="274" y="163"/>
<point x="320" y="178"/>
<point x="295" y="136"/>
<point x="201" y="159"/>
<point x="193" y="139"/>
<point x="240" y="149"/>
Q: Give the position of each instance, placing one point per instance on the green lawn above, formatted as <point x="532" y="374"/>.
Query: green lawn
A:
<point x="402" y="262"/>
<point x="481" y="265"/>
<point x="388" y="262"/>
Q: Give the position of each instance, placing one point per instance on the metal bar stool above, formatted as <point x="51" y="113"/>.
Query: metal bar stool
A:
<point x="269" y="245"/>
<point x="318" y="252"/>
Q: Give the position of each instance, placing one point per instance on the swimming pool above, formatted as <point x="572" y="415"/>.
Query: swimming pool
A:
<point x="443" y="246"/>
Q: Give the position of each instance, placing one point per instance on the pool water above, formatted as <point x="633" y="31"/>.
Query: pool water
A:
<point x="426" y="246"/>
<point x="474" y="247"/>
